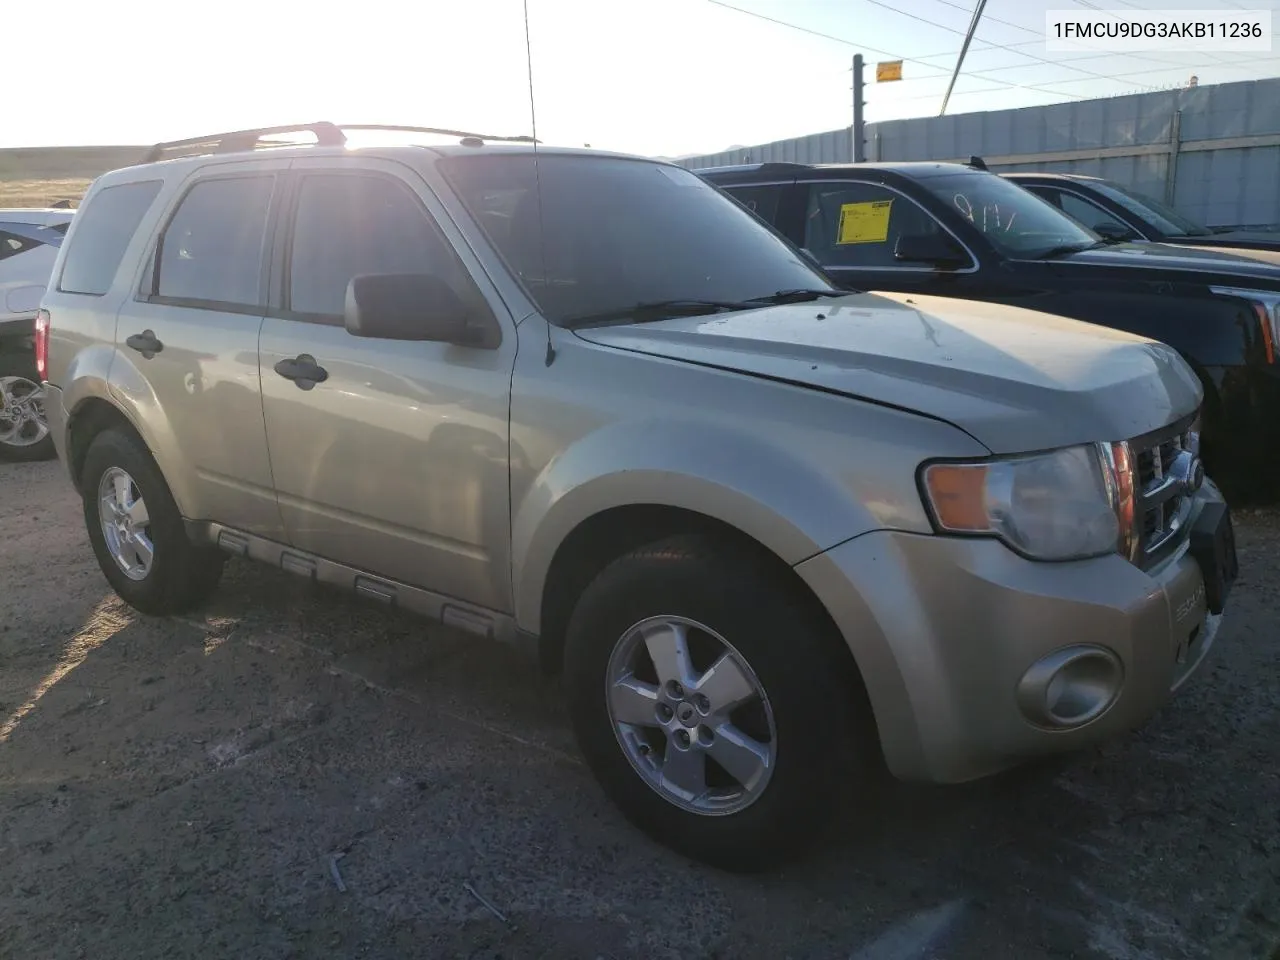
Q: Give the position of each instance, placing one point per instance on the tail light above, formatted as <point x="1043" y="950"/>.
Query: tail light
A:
<point x="1268" y="335"/>
<point x="1266" y="307"/>
<point x="42" y="345"/>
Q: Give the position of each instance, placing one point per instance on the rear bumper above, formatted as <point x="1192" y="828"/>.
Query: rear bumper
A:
<point x="957" y="639"/>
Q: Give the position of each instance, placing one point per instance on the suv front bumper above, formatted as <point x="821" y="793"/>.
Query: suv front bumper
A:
<point x="959" y="641"/>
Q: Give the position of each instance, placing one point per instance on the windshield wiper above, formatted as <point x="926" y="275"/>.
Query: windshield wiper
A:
<point x="1065" y="248"/>
<point x="797" y="296"/>
<point x="652" y="311"/>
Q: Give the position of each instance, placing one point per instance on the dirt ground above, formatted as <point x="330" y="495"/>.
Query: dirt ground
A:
<point x="293" y="774"/>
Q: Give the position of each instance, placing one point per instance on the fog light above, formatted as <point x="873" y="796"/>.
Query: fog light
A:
<point x="1070" y="687"/>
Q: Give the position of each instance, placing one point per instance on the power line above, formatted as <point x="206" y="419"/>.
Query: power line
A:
<point x="990" y="43"/>
<point x="919" y="61"/>
<point x="1040" y="33"/>
<point x="1229" y="66"/>
<point x="1042" y="87"/>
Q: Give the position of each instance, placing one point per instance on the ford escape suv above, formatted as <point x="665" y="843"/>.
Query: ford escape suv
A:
<point x="773" y="534"/>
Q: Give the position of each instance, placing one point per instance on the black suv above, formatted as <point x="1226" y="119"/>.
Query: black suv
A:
<point x="952" y="230"/>
<point x="1117" y="211"/>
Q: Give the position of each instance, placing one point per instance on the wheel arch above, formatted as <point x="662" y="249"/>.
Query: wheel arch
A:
<point x="608" y="534"/>
<point x="90" y="418"/>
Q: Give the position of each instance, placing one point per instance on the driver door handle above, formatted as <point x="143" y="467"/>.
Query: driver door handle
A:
<point x="302" y="370"/>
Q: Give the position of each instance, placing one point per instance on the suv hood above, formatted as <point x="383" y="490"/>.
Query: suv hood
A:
<point x="1200" y="265"/>
<point x="1256" y="239"/>
<point x="1014" y="379"/>
<point x="1269" y="255"/>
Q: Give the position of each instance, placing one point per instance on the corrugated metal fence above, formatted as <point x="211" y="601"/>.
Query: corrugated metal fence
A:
<point x="1213" y="151"/>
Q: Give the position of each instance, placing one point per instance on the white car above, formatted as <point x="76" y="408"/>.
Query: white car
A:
<point x="29" y="242"/>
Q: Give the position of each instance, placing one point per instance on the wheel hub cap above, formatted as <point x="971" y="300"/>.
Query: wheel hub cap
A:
<point x="691" y="716"/>
<point x="22" y="421"/>
<point x="126" y="525"/>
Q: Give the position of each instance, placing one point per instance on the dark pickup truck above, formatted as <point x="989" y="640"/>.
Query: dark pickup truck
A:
<point x="952" y="230"/>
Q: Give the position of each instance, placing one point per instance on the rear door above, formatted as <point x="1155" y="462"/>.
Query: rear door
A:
<point x="397" y="462"/>
<point x="188" y="343"/>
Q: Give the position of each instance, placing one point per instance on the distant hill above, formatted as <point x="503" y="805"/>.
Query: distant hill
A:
<point x="65" y="163"/>
<point x="39" y="176"/>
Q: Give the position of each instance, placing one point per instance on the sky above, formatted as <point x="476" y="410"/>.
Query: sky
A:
<point x="654" y="77"/>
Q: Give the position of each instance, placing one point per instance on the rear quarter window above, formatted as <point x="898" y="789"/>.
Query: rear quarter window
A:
<point x="103" y="231"/>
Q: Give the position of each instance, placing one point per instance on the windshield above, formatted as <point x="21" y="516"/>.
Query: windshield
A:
<point x="1015" y="221"/>
<point x="618" y="232"/>
<point x="1161" y="216"/>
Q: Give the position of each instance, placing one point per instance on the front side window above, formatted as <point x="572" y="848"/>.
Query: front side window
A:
<point x="591" y="236"/>
<point x="211" y="252"/>
<point x="1012" y="219"/>
<point x="348" y="225"/>
<point x="858" y="225"/>
<point x="1082" y="211"/>
<point x="1160" y="215"/>
<point x="103" y="231"/>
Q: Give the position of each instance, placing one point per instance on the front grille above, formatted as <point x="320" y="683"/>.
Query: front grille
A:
<point x="1164" y="461"/>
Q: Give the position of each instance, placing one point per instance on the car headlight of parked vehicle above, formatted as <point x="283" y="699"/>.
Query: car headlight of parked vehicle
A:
<point x="1266" y="304"/>
<point x="1065" y="504"/>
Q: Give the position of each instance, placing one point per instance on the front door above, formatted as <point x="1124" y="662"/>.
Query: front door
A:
<point x="397" y="462"/>
<point x="852" y="229"/>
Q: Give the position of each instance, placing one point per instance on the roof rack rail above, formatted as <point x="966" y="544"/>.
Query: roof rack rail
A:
<point x="327" y="135"/>
<point x="461" y="134"/>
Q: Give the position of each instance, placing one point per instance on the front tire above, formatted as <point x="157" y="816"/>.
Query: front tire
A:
<point x="24" y="430"/>
<point x="713" y="704"/>
<point x="137" y="532"/>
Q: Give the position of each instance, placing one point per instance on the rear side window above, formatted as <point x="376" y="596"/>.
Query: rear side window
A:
<point x="103" y="231"/>
<point x="211" y="252"/>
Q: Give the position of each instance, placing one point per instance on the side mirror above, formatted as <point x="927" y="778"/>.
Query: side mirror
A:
<point x="408" y="306"/>
<point x="1110" y="230"/>
<point x="937" y="249"/>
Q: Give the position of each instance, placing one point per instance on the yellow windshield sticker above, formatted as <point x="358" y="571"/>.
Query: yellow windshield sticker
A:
<point x="864" y="222"/>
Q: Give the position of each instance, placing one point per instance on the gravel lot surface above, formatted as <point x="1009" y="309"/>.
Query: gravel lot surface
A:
<point x="293" y="774"/>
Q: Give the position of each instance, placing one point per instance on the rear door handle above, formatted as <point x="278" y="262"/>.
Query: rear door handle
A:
<point x="145" y="343"/>
<point x="302" y="370"/>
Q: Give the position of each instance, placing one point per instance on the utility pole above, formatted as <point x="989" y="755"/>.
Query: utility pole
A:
<point x="964" y="48"/>
<point x="858" y="133"/>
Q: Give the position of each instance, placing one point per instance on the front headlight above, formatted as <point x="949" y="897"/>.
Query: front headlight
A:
<point x="1063" y="505"/>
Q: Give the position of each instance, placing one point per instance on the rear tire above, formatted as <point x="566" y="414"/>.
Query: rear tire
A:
<point x="137" y="532"/>
<point x="782" y="763"/>
<point x="24" y="429"/>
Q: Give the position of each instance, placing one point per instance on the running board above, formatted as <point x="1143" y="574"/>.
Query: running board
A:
<point x="448" y="611"/>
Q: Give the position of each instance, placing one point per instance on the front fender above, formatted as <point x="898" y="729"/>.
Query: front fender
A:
<point x="748" y="482"/>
